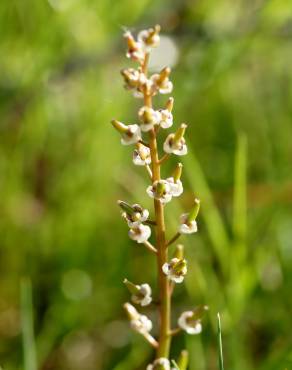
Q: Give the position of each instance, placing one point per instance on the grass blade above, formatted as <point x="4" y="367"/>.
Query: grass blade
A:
<point x="28" y="341"/>
<point x="220" y="357"/>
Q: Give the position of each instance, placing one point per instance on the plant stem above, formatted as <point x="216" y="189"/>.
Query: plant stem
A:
<point x="162" y="253"/>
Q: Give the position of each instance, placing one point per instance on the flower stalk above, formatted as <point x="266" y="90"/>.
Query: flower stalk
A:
<point x="146" y="154"/>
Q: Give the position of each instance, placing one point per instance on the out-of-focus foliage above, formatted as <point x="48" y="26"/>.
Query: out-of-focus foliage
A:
<point x="62" y="169"/>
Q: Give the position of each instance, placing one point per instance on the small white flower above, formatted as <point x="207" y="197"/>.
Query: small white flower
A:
<point x="139" y="323"/>
<point x="149" y="118"/>
<point x="143" y="297"/>
<point x="149" y="38"/>
<point x="142" y="324"/>
<point x="164" y="86"/>
<point x="166" y="118"/>
<point x="176" y="269"/>
<point x="161" y="363"/>
<point x="137" y="216"/>
<point x="141" y="155"/>
<point x="176" y="187"/>
<point x="131" y="78"/>
<point x="132" y="136"/>
<point x="160" y="190"/>
<point x="186" y="226"/>
<point x="177" y="148"/>
<point x="140" y="233"/>
<point x="189" y="323"/>
<point x="135" y="49"/>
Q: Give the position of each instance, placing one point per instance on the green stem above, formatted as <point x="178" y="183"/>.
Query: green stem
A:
<point x="162" y="257"/>
<point x="162" y="253"/>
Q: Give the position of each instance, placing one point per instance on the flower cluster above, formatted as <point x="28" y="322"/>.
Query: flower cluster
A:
<point x="143" y="135"/>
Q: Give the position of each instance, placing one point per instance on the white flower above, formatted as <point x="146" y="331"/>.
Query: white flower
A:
<point x="160" y="190"/>
<point x="149" y="38"/>
<point x="139" y="323"/>
<point x="135" y="49"/>
<point x="176" y="269"/>
<point x="176" y="187"/>
<point x="161" y="363"/>
<point x="141" y="155"/>
<point x="189" y="323"/>
<point x="164" y="86"/>
<point x="149" y="117"/>
<point x="143" y="296"/>
<point x="133" y="78"/>
<point x="132" y="136"/>
<point x="177" y="148"/>
<point x="135" y="216"/>
<point x="142" y="324"/>
<point x="166" y="120"/>
<point x="186" y="226"/>
<point x="140" y="233"/>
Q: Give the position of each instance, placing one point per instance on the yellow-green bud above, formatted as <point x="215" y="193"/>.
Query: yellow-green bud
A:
<point x="179" y="252"/>
<point x="194" y="212"/>
<point x="179" y="133"/>
<point x="169" y="104"/>
<point x="131" y="287"/>
<point x="183" y="360"/>
<point x="177" y="172"/>
<point x="119" y="126"/>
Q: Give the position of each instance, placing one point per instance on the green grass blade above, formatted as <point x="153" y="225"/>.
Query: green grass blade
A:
<point x="175" y="365"/>
<point x="213" y="219"/>
<point x="239" y="198"/>
<point x="183" y="360"/>
<point x="28" y="341"/>
<point x="220" y="357"/>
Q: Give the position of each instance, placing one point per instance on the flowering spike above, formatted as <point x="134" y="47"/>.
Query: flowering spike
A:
<point x="146" y="153"/>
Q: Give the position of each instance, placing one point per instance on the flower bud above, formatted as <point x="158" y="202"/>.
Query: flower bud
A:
<point x="169" y="104"/>
<point x="179" y="252"/>
<point x="177" y="172"/>
<point x="194" y="212"/>
<point x="179" y="134"/>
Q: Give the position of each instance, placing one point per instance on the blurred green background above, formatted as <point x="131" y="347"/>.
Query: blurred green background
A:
<point x="62" y="169"/>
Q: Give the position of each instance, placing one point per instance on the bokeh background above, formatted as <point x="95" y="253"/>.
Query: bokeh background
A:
<point x="62" y="169"/>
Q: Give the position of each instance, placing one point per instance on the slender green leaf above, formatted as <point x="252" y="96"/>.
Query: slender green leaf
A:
<point x="220" y="357"/>
<point x="28" y="340"/>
